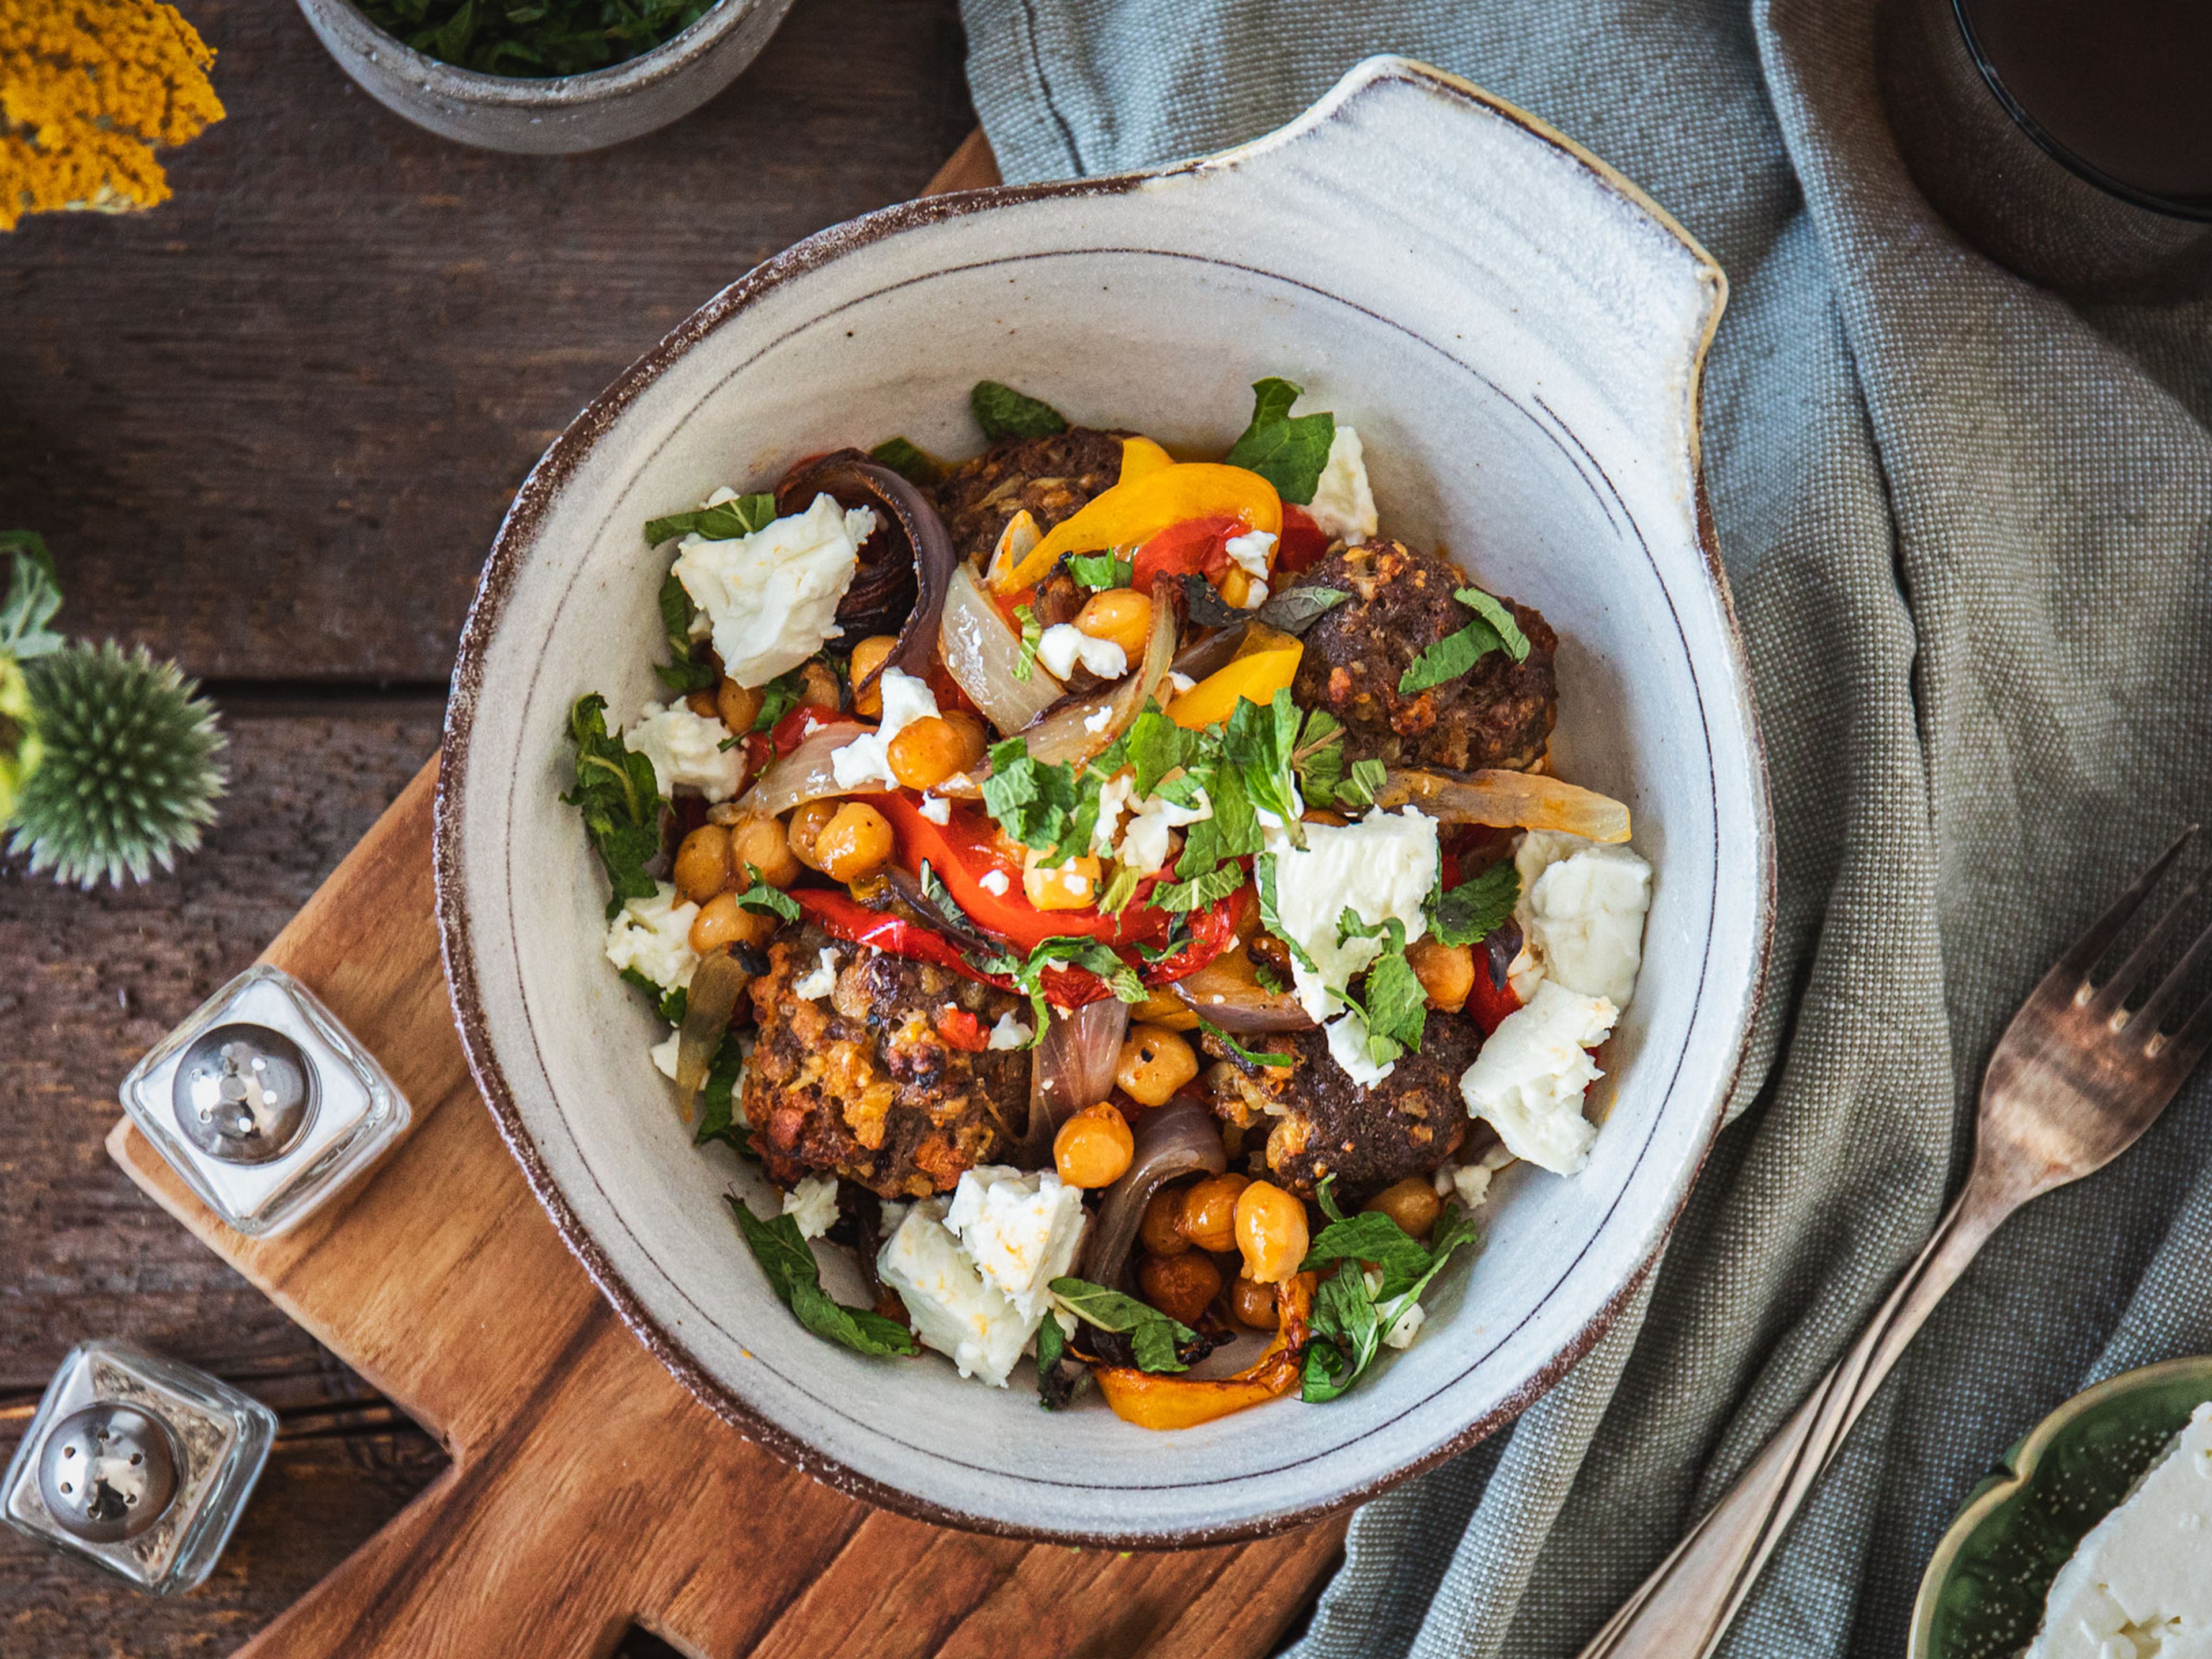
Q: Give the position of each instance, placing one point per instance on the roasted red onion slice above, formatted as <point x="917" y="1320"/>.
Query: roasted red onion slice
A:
<point x="805" y="774"/>
<point x="1083" y="726"/>
<point x="716" y="984"/>
<point x="904" y="566"/>
<point x="1181" y="1139"/>
<point x="1073" y="1068"/>
<point x="1507" y="800"/>
<point x="1225" y="993"/>
<point x="981" y="651"/>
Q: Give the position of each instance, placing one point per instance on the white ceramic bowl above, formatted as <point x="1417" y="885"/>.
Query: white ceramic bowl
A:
<point x="1516" y="332"/>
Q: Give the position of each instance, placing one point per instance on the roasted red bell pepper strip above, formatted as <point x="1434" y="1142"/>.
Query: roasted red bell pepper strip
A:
<point x="1303" y="544"/>
<point x="1212" y="931"/>
<point x="962" y="1029"/>
<point x="790" y="731"/>
<point x="1488" y="1005"/>
<point x="1195" y="547"/>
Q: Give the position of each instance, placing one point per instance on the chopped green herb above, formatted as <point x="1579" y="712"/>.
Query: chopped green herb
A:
<point x="1471" y="912"/>
<point x="620" y="798"/>
<point x="908" y="461"/>
<point x="1196" y="894"/>
<point x="726" y="523"/>
<point x="1062" y="951"/>
<point x="1031" y="801"/>
<point x="669" y="1004"/>
<point x="796" y="1278"/>
<point x="778" y="698"/>
<point x="691" y="672"/>
<point x="1288" y="452"/>
<point x="1120" y="891"/>
<point x="720" y="1118"/>
<point x="1349" y="1319"/>
<point x="1295" y="610"/>
<point x="1151" y="1334"/>
<point x="764" y="900"/>
<point x="1032" y="632"/>
<point x="1493" y="629"/>
<point x="1101" y="570"/>
<point x="1207" y="607"/>
<point x="1260" y="742"/>
<point x="1240" y="1050"/>
<point x="1003" y="412"/>
<point x="534" y="39"/>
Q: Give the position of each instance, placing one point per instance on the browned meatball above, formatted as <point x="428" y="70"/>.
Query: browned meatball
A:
<point x="1498" y="714"/>
<point x="1320" y="1122"/>
<point x="1049" y="477"/>
<point x="863" y="1084"/>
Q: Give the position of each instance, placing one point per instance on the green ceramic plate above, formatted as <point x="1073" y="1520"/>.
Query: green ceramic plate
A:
<point x="1982" y="1597"/>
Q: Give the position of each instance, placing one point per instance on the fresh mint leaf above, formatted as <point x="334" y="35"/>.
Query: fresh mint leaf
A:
<point x="796" y="1278"/>
<point x="764" y="900"/>
<point x="620" y="799"/>
<point x="1349" y="1320"/>
<point x="1499" y="615"/>
<point x="719" y="1116"/>
<point x="1242" y="1052"/>
<point x="1260" y="742"/>
<point x="1198" y="892"/>
<point x="1031" y="800"/>
<point x="1003" y="412"/>
<point x="33" y="595"/>
<point x="1493" y="629"/>
<point x="1295" y="610"/>
<point x="1051" y="1343"/>
<point x="1099" y="571"/>
<point x="1120" y="891"/>
<point x="1151" y="1334"/>
<point x="908" y="461"/>
<point x="1289" y="451"/>
<point x="778" y="698"/>
<point x="1318" y="760"/>
<point x="1154" y="745"/>
<point x="669" y="1004"/>
<point x="689" y="672"/>
<point x="1370" y="1236"/>
<point x="1032" y="632"/>
<point x="726" y="523"/>
<point x="1395" y="1004"/>
<point x="1343" y="1335"/>
<point x="1471" y="912"/>
<point x="1360" y="790"/>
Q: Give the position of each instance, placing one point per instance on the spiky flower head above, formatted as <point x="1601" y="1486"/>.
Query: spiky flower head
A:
<point x="129" y="775"/>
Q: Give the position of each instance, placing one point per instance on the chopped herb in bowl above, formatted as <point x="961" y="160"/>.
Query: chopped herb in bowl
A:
<point x="532" y="40"/>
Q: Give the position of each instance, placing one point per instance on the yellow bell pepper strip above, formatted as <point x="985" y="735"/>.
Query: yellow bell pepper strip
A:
<point x="1154" y="1401"/>
<point x="1135" y="511"/>
<point x="1140" y="456"/>
<point x="1268" y="662"/>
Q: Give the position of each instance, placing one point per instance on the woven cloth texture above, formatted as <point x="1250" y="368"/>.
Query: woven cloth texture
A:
<point x="1967" y="526"/>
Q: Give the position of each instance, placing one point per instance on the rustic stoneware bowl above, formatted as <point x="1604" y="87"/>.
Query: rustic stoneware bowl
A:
<point x="557" y="115"/>
<point x="1517" y="333"/>
<point x="1985" y="1585"/>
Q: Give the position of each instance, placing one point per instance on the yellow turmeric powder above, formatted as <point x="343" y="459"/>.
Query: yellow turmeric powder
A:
<point x="88" y="90"/>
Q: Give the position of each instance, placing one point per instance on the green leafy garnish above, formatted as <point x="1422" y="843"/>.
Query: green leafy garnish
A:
<point x="764" y="900"/>
<point x="1319" y="761"/>
<point x="1101" y="570"/>
<point x="1260" y="742"/>
<point x="531" y="39"/>
<point x="1031" y="799"/>
<point x="1493" y="629"/>
<point x="1207" y="607"/>
<point x="719" y="1117"/>
<point x="1471" y="912"/>
<point x="1032" y="632"/>
<point x="1061" y="950"/>
<point x="1240" y="1050"/>
<point x="726" y="523"/>
<point x="1182" y="897"/>
<point x="669" y="1004"/>
<point x="1120" y="891"/>
<point x="908" y="461"/>
<point x="1003" y="412"/>
<point x="1350" y="1320"/>
<point x="33" y="595"/>
<point x="1391" y="1001"/>
<point x="1151" y="1334"/>
<point x="778" y="698"/>
<point x="1288" y="452"/>
<point x="796" y="1278"/>
<point x="620" y="799"/>
<point x="1295" y="610"/>
<point x="691" y="672"/>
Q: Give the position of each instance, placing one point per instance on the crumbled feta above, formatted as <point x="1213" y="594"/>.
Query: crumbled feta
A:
<point x="1405" y="1327"/>
<point x="771" y="598"/>
<point x="936" y="809"/>
<point x="867" y="758"/>
<point x="1581" y="910"/>
<point x="686" y="751"/>
<point x="1256" y="595"/>
<point x="1180" y="682"/>
<point x="1063" y="645"/>
<point x="1010" y="1032"/>
<point x="955" y="1309"/>
<point x="995" y="883"/>
<point x="1142" y="845"/>
<point x="820" y="980"/>
<point x="1527" y="1081"/>
<point x="1249" y="552"/>
<point x="2136" y="1586"/>
<point x="663" y="1055"/>
<point x="1099" y="718"/>
<point x="1020" y="1231"/>
<point x="1382" y="867"/>
<point x="1343" y="505"/>
<point x="1524" y="973"/>
<point x="653" y="935"/>
<point x="813" y="1204"/>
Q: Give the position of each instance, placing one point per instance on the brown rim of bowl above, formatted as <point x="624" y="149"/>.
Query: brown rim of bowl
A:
<point x="560" y="460"/>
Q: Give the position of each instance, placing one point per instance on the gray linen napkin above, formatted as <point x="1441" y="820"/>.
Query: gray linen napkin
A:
<point x="1968" y="527"/>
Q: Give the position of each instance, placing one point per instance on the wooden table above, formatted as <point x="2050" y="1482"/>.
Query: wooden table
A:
<point x="269" y="429"/>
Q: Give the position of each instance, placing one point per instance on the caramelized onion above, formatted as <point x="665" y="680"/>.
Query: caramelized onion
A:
<point x="1227" y="994"/>
<point x="1075" y="731"/>
<point x="904" y="566"/>
<point x="1072" y="1069"/>
<point x="980" y="653"/>
<point x="805" y="774"/>
<point x="1180" y="1139"/>
<point x="716" y="984"/>
<point x="1507" y="800"/>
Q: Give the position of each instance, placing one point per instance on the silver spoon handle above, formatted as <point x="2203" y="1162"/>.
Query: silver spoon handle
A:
<point x="1686" y="1605"/>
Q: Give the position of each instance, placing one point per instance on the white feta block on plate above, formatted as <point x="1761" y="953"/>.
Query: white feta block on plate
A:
<point x="813" y="1204"/>
<point x="955" y="1309"/>
<point x="770" y="598"/>
<point x="1021" y="1230"/>
<point x="1063" y="645"/>
<point x="1343" y="505"/>
<point x="1582" y="910"/>
<point x="653" y="936"/>
<point x="686" y="751"/>
<point x="1528" y="1080"/>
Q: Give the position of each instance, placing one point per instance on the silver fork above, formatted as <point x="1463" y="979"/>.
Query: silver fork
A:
<point x="2075" y="1080"/>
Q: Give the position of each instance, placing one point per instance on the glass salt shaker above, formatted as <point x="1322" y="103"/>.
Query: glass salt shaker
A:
<point x="138" y="1464"/>
<point x="264" y="1103"/>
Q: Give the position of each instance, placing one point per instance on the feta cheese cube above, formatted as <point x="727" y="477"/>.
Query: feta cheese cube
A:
<point x="867" y="760"/>
<point x="686" y="751"/>
<point x="936" y="809"/>
<point x="664" y="1056"/>
<point x="771" y="598"/>
<point x="1249" y="552"/>
<point x="1010" y="1032"/>
<point x="813" y="1204"/>
<point x="653" y="935"/>
<point x="1582" y="911"/>
<point x="1021" y="1230"/>
<point x="995" y="883"/>
<point x="1063" y="645"/>
<point x="1527" y="1081"/>
<point x="955" y="1309"/>
<point x="1343" y="505"/>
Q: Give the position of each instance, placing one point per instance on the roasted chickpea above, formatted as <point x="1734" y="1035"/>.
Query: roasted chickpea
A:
<point x="702" y="704"/>
<point x="926" y="752"/>
<point x="868" y="656"/>
<point x="739" y="706"/>
<point x="1181" y="1286"/>
<point x="1155" y="1063"/>
<point x="975" y="740"/>
<point x="818" y="688"/>
<point x="720" y="924"/>
<point x="1158" y="1229"/>
<point x="1072" y="885"/>
<point x="1271" y="1232"/>
<point x="702" y="863"/>
<point x="1446" y="972"/>
<point x="1413" y="1204"/>
<point x="1209" y="1211"/>
<point x="1252" y="1304"/>
<point x="759" y="841"/>
<point x="1094" y="1146"/>
<point x="1119" y="614"/>
<point x="805" y="826"/>
<point x="855" y="843"/>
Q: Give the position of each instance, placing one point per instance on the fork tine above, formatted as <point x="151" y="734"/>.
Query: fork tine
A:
<point x="2186" y="1046"/>
<point x="2067" y="974"/>
<point x="2147" y="1018"/>
<point x="2114" y="991"/>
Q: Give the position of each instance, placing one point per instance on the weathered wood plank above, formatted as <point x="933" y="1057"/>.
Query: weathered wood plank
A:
<point x="271" y="428"/>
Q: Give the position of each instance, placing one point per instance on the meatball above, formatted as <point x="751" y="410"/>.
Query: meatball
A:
<point x="1051" y="478"/>
<point x="866" y="1082"/>
<point x="1320" y="1122"/>
<point x="1498" y="714"/>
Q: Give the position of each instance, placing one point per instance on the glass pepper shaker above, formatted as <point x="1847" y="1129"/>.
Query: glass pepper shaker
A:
<point x="264" y="1103"/>
<point x="138" y="1464"/>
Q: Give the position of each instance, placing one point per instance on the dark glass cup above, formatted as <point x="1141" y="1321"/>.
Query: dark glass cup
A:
<point x="2070" y="140"/>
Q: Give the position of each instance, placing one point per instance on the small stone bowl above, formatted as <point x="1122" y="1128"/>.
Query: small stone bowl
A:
<point x="1983" y="1591"/>
<point x="560" y="114"/>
